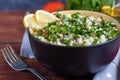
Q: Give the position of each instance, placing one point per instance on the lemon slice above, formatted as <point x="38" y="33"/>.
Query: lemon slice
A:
<point x="30" y="21"/>
<point x="44" y="17"/>
<point x="38" y="20"/>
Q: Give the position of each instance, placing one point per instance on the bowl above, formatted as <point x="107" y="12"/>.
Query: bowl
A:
<point x="76" y="61"/>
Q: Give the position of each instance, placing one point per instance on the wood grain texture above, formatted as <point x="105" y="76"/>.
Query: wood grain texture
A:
<point x="11" y="26"/>
<point x="11" y="33"/>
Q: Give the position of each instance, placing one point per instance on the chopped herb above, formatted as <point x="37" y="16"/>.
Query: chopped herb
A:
<point x="77" y="30"/>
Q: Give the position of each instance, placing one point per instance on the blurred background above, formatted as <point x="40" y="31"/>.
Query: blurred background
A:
<point x="105" y="6"/>
<point x="7" y="5"/>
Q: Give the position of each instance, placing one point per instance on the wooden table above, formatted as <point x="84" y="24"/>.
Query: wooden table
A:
<point x="11" y="32"/>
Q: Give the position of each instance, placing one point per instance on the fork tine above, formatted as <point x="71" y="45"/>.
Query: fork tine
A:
<point x="15" y="55"/>
<point x="11" y="54"/>
<point x="6" y="56"/>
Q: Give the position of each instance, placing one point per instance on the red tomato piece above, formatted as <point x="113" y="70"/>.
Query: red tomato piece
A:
<point x="53" y="6"/>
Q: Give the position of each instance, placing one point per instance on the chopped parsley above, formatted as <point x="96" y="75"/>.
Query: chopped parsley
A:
<point x="77" y="30"/>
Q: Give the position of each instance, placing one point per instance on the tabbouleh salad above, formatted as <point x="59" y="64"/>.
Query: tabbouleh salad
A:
<point x="77" y="30"/>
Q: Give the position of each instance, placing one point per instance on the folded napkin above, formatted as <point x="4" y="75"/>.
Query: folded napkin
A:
<point x="26" y="50"/>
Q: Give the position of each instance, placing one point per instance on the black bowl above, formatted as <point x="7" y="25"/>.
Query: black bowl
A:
<point x="75" y="61"/>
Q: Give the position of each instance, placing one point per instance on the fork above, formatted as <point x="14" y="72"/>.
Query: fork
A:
<point x="16" y="63"/>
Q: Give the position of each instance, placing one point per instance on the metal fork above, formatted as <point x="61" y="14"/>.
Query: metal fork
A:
<point x="16" y="63"/>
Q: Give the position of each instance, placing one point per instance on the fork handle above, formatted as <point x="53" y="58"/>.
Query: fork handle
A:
<point x="36" y="73"/>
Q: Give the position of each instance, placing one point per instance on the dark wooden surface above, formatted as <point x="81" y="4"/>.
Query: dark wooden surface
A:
<point x="11" y="32"/>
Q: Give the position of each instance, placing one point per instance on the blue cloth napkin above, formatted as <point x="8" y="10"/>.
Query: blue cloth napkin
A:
<point x="112" y="72"/>
<point x="26" y="50"/>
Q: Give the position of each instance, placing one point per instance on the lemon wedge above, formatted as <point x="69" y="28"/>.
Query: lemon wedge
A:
<point x="30" y="21"/>
<point x="108" y="10"/>
<point x="44" y="17"/>
<point x="38" y="20"/>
